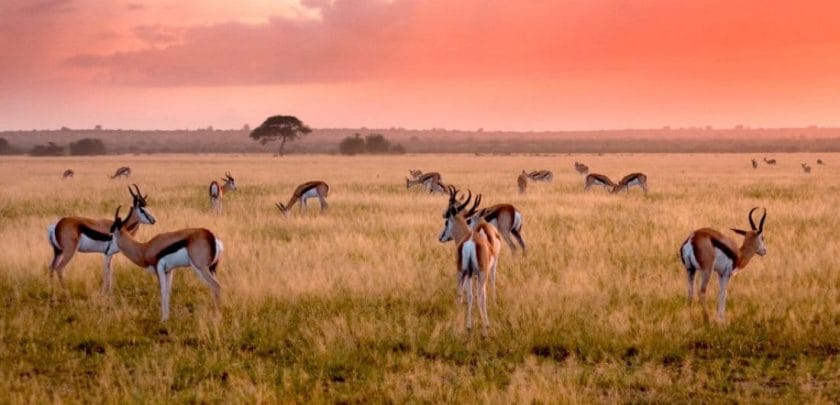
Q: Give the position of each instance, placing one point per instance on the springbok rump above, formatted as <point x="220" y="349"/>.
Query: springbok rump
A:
<point x="708" y="250"/>
<point x="311" y="189"/>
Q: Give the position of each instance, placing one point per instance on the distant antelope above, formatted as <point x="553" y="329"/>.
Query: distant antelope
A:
<point x="581" y="168"/>
<point x="707" y="249"/>
<point x="754" y="164"/>
<point x="124" y="171"/>
<point x="806" y="168"/>
<point x="311" y="189"/>
<point x="541" y="175"/>
<point x="196" y="248"/>
<point x="771" y="162"/>
<point x="522" y="182"/>
<point x="68" y="174"/>
<point x="477" y="253"/>
<point x="72" y="234"/>
<point x="595" y="179"/>
<point x="820" y="162"/>
<point x="630" y="180"/>
<point x="427" y="180"/>
<point x="415" y="173"/>
<point x="217" y="191"/>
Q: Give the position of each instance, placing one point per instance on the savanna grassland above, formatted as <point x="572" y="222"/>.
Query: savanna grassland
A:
<point x="358" y="304"/>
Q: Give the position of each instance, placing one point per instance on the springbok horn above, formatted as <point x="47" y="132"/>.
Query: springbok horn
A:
<point x="761" y="223"/>
<point x="752" y="223"/>
<point x="464" y="205"/>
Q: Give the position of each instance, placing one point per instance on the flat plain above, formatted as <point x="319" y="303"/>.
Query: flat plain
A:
<point x="358" y="303"/>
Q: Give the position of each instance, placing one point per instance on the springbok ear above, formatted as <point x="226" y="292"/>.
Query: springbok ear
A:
<point x="739" y="231"/>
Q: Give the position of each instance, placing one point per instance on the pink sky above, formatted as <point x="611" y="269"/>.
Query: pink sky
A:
<point x="466" y="64"/>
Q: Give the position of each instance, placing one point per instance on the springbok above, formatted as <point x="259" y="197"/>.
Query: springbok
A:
<point x="477" y="253"/>
<point x="707" y="249"/>
<point x="771" y="162"/>
<point x="820" y="162"/>
<point x="427" y="180"/>
<point x="581" y="168"/>
<point x="522" y="182"/>
<point x="806" y="168"/>
<point x="754" y="164"/>
<point x="595" y="179"/>
<point x="197" y="248"/>
<point x="632" y="179"/>
<point x="72" y="234"/>
<point x="124" y="171"/>
<point x="505" y="217"/>
<point x="217" y="191"/>
<point x="68" y="174"/>
<point x="541" y="175"/>
<point x="311" y="189"/>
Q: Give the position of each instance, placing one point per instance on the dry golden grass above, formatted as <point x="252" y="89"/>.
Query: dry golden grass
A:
<point x="359" y="303"/>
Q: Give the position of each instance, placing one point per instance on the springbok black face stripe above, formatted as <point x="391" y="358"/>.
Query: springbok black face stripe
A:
<point x="94" y="234"/>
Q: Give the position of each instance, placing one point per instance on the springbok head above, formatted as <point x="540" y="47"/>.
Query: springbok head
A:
<point x="754" y="238"/>
<point x="229" y="182"/>
<point x="139" y="206"/>
<point x="454" y="210"/>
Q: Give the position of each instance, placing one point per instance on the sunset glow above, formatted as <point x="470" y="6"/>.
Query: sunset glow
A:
<point x="567" y="64"/>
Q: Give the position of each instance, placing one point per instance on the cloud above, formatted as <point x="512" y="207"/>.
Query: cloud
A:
<point x="46" y="6"/>
<point x="158" y="34"/>
<point x="134" y="6"/>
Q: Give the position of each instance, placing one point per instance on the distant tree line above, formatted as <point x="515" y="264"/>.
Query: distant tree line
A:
<point x="372" y="144"/>
<point x="82" y="147"/>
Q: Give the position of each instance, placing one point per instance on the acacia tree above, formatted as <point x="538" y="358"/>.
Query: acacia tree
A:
<point x="280" y="127"/>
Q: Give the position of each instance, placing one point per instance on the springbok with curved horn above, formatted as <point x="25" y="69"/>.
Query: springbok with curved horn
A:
<point x="806" y="168"/>
<point x="217" y="191"/>
<point x="595" y="179"/>
<point x="196" y="248"/>
<point x="477" y="253"/>
<point x="707" y="249"/>
<point x="522" y="182"/>
<point x="541" y="175"/>
<point x="771" y="162"/>
<point x="754" y="164"/>
<point x="630" y="180"/>
<point x="124" y="171"/>
<point x="581" y="168"/>
<point x="72" y="234"/>
<point x="68" y="174"/>
<point x="311" y="189"/>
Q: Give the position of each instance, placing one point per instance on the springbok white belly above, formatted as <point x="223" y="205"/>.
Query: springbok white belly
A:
<point x="311" y="193"/>
<point x="178" y="258"/>
<point x="723" y="264"/>
<point x="88" y="245"/>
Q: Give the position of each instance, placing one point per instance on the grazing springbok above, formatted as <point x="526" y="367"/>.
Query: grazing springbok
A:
<point x="477" y="253"/>
<point x="196" y="248"/>
<point x="595" y="179"/>
<point x="427" y="180"/>
<point x="541" y="175"/>
<point x="820" y="162"/>
<point x="72" y="234"/>
<point x="581" y="168"/>
<point x="630" y="180"/>
<point x="522" y="182"/>
<point x="754" y="164"/>
<point x="217" y="191"/>
<point x="707" y="249"/>
<point x="311" y="189"/>
<point x="68" y="174"/>
<point x="124" y="171"/>
<point x="806" y="168"/>
<point x="771" y="162"/>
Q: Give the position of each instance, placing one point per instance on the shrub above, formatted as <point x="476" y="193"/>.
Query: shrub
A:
<point x="50" y="149"/>
<point x="87" y="146"/>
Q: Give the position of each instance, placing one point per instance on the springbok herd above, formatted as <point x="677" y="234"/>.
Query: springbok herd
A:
<point x="477" y="233"/>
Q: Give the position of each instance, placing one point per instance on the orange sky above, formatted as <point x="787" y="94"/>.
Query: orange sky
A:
<point x="554" y="64"/>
